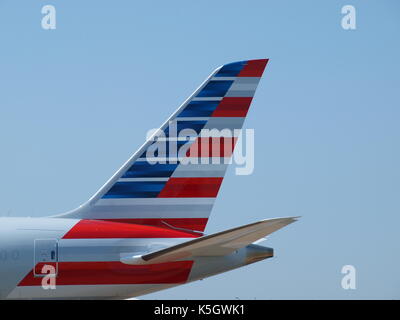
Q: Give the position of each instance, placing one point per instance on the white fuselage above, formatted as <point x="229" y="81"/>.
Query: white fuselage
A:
<point x="90" y="268"/>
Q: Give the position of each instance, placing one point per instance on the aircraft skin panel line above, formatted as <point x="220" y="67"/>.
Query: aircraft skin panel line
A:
<point x="143" y="230"/>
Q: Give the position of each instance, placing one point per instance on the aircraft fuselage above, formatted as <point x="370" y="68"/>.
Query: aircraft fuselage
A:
<point x="85" y="257"/>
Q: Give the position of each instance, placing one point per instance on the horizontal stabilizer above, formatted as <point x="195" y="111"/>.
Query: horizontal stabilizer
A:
<point x="217" y="244"/>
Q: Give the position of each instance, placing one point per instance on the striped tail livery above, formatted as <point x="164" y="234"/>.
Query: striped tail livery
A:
<point x="174" y="178"/>
<point x="143" y="231"/>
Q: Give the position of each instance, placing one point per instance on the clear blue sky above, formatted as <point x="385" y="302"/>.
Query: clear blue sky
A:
<point x="75" y="103"/>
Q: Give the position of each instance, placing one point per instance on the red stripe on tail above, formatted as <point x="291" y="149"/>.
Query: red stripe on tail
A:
<point x="191" y="188"/>
<point x="254" y="68"/>
<point x="232" y="107"/>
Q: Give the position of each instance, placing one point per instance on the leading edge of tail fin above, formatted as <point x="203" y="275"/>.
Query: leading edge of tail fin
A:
<point x="174" y="178"/>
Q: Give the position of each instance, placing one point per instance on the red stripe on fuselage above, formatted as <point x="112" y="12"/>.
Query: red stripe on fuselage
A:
<point x="115" y="272"/>
<point x="197" y="224"/>
<point x="98" y="229"/>
<point x="191" y="188"/>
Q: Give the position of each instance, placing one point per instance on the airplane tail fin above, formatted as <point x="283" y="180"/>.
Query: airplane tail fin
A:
<point x="174" y="178"/>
